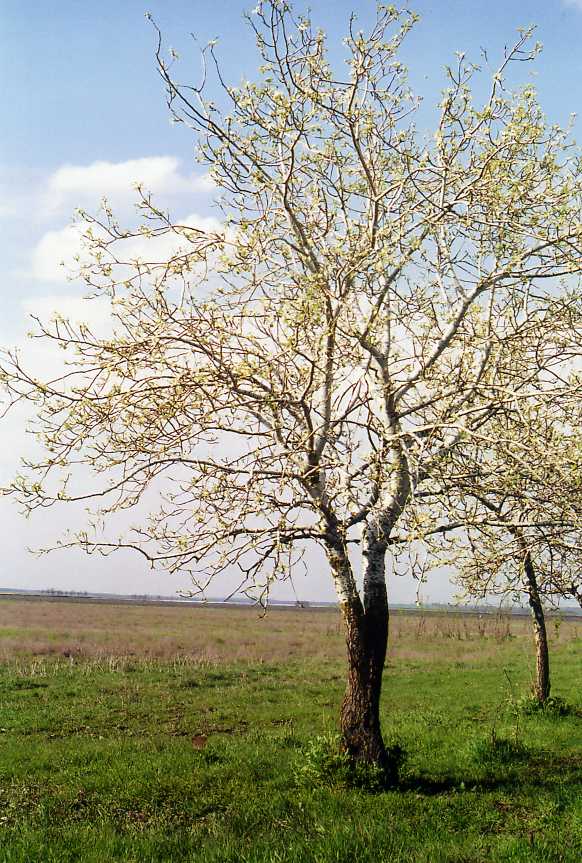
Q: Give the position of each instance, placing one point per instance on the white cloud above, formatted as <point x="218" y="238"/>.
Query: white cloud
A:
<point x="76" y="308"/>
<point x="163" y="247"/>
<point x="41" y="356"/>
<point x="112" y="176"/>
<point x="50" y="202"/>
<point x="577" y="4"/>
<point x="85" y="185"/>
<point x="53" y="258"/>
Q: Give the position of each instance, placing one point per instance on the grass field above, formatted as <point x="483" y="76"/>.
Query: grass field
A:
<point x="171" y="734"/>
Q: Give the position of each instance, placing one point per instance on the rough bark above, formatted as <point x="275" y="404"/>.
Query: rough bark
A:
<point x="541" y="685"/>
<point x="366" y="629"/>
<point x="366" y="639"/>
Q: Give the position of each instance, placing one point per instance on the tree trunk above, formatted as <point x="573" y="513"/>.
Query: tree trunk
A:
<point x="366" y="627"/>
<point x="366" y="640"/>
<point x="541" y="686"/>
<point x="367" y="622"/>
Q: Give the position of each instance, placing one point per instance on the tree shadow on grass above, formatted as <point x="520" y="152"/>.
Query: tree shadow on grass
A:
<point x="432" y="786"/>
<point x="541" y="770"/>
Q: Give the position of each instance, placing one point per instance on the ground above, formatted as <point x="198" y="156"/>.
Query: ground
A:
<point x="170" y="734"/>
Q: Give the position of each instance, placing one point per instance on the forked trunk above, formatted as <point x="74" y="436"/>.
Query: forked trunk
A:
<point x="366" y="639"/>
<point x="541" y="685"/>
<point x="367" y="622"/>
<point x="366" y="626"/>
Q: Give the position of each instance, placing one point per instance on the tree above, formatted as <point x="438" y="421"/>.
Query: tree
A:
<point x="296" y="377"/>
<point x="511" y="500"/>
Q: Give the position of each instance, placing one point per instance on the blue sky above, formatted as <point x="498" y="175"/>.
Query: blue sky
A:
<point x="83" y="114"/>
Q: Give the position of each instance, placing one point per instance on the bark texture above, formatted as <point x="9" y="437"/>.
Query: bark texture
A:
<point x="366" y="623"/>
<point x="366" y="640"/>
<point x="541" y="686"/>
<point x="366" y="629"/>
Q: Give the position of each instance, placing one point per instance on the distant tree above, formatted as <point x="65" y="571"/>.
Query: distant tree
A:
<point x="296" y="376"/>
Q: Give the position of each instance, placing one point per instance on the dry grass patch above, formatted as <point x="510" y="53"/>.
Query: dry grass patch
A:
<point x="93" y="630"/>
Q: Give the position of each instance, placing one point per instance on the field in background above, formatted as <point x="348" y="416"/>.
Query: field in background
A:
<point x="79" y="629"/>
<point x="150" y="734"/>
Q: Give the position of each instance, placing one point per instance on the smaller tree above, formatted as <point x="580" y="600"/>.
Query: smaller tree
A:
<point x="513" y="517"/>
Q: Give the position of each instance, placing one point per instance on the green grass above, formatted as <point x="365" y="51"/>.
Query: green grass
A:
<point x="136" y="760"/>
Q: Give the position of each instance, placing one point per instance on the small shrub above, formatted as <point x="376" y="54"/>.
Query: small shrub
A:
<point x="324" y="763"/>
<point x="552" y="707"/>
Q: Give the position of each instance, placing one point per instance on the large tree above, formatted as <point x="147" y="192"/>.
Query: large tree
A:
<point x="295" y="377"/>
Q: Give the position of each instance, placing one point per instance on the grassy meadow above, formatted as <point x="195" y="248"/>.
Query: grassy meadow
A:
<point x="147" y="733"/>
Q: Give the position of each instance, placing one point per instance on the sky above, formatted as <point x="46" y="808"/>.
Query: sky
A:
<point x="84" y="115"/>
